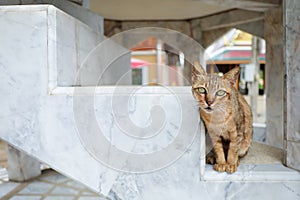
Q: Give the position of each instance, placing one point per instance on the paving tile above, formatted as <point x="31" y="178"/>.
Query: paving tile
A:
<point x="93" y="198"/>
<point x="63" y="190"/>
<point x="36" y="188"/>
<point x="75" y="185"/>
<point x="5" y="188"/>
<point x="59" y="198"/>
<point x="21" y="197"/>
<point x="89" y="193"/>
<point x="54" y="178"/>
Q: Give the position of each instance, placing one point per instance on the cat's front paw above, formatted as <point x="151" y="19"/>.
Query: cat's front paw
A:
<point x="231" y="168"/>
<point x="220" y="167"/>
<point x="211" y="160"/>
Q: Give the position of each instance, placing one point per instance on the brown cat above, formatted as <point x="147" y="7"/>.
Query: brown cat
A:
<point x="226" y="115"/>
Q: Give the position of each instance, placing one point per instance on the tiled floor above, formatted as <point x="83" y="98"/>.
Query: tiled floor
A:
<point x="49" y="186"/>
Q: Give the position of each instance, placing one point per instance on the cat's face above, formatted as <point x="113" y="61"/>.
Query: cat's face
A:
<point x="213" y="92"/>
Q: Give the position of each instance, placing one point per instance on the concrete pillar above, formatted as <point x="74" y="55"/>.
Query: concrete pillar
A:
<point x="196" y="32"/>
<point x="21" y="167"/>
<point x="86" y="4"/>
<point x="254" y="84"/>
<point x="274" y="77"/>
<point x="292" y="83"/>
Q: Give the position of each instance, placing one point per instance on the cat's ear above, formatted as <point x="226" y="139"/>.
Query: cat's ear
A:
<point x="232" y="75"/>
<point x="197" y="71"/>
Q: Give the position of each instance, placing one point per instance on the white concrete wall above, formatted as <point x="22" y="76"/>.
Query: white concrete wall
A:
<point x="32" y="120"/>
<point x="89" y="134"/>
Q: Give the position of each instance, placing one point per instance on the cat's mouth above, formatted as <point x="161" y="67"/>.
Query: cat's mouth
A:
<point x="208" y="109"/>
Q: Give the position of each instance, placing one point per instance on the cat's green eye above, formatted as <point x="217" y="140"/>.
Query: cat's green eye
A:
<point x="202" y="90"/>
<point x="221" y="93"/>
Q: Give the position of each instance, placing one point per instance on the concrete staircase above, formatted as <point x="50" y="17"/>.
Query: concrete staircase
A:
<point x="124" y="142"/>
<point x="41" y="49"/>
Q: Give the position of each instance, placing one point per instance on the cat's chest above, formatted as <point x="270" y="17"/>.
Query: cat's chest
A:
<point x="219" y="124"/>
<point x="216" y="118"/>
<point x="218" y="129"/>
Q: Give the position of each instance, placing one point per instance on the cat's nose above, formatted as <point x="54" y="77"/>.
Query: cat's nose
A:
<point x="209" y="102"/>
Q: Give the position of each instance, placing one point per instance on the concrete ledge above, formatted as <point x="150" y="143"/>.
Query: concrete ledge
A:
<point x="94" y="21"/>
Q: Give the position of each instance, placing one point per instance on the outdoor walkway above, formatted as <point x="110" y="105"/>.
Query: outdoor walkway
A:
<point x="49" y="186"/>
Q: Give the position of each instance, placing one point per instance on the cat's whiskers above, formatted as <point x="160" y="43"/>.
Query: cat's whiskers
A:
<point x="222" y="108"/>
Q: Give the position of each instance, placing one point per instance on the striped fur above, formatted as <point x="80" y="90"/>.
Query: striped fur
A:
<point x="226" y="115"/>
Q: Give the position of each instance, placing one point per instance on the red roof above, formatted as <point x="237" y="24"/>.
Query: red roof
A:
<point x="137" y="63"/>
<point x="235" y="55"/>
